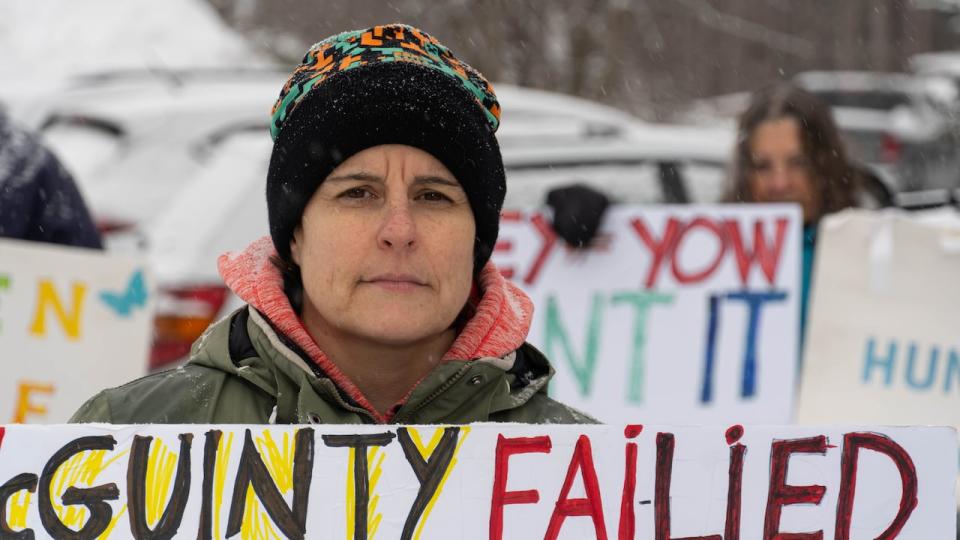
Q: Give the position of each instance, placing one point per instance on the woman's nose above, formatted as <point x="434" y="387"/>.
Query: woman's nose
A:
<point x="779" y="179"/>
<point x="398" y="229"/>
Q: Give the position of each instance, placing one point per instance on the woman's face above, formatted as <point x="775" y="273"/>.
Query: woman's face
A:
<point x="781" y="171"/>
<point x="385" y="247"/>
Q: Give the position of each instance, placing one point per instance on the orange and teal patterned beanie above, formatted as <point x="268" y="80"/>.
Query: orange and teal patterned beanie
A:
<point x="390" y="84"/>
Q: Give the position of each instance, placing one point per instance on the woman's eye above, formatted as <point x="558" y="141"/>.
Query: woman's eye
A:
<point x="762" y="166"/>
<point x="434" y="196"/>
<point x="798" y="162"/>
<point x="356" y="193"/>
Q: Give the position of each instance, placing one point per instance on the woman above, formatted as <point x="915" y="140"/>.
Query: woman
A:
<point x="789" y="150"/>
<point x="374" y="299"/>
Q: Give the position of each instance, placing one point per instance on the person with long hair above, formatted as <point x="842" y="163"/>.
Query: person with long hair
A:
<point x="789" y="150"/>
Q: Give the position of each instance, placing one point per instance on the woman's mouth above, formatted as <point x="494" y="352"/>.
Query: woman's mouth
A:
<point x="395" y="282"/>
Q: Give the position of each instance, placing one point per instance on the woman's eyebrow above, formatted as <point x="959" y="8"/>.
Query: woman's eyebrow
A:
<point x="435" y="180"/>
<point x="370" y="177"/>
<point x="357" y="176"/>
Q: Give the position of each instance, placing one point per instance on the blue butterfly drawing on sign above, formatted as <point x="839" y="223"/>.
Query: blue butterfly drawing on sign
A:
<point x="123" y="302"/>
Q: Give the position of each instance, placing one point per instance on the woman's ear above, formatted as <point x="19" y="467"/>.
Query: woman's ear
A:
<point x="295" y="243"/>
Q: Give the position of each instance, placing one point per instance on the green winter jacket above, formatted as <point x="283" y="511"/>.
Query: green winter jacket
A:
<point x="242" y="371"/>
<point x="260" y="365"/>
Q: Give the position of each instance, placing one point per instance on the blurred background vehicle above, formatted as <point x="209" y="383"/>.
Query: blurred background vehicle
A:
<point x="549" y="140"/>
<point x="940" y="64"/>
<point x="128" y="107"/>
<point x="901" y="122"/>
<point x="133" y="139"/>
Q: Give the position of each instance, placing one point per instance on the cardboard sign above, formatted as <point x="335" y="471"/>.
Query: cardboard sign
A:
<point x="677" y="314"/>
<point x="484" y="481"/>
<point x="72" y="322"/>
<point x="884" y="335"/>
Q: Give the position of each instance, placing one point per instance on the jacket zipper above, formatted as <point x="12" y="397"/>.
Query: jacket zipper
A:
<point x="443" y="388"/>
<point x="331" y="389"/>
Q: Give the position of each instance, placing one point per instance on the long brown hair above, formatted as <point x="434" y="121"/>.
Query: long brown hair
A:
<point x="835" y="180"/>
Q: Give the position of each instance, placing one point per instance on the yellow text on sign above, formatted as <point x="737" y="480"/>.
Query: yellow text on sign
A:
<point x="25" y="405"/>
<point x="48" y="299"/>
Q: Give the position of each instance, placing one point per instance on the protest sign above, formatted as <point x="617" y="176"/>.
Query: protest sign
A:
<point x="677" y="314"/>
<point x="72" y="322"/>
<point x="485" y="481"/>
<point x="883" y="344"/>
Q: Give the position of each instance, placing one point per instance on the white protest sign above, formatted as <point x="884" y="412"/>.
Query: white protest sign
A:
<point x="483" y="481"/>
<point x="883" y="342"/>
<point x="680" y="314"/>
<point x="72" y="322"/>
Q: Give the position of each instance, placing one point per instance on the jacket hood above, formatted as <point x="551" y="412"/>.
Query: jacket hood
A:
<point x="498" y="327"/>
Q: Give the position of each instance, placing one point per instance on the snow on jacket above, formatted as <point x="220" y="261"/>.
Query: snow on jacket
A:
<point x="259" y="365"/>
<point x="38" y="198"/>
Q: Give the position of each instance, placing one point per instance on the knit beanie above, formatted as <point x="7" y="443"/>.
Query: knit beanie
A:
<point x="391" y="84"/>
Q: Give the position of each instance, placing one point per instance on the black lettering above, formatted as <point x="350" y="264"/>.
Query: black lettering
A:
<point x="210" y="444"/>
<point x="252" y="471"/>
<point x="361" y="478"/>
<point x="172" y="515"/>
<point x="20" y="482"/>
<point x="429" y="472"/>
<point x="93" y="498"/>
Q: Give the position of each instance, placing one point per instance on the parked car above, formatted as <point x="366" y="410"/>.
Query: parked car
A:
<point x="937" y="64"/>
<point x="134" y="139"/>
<point x="929" y="199"/>
<point x="547" y="140"/>
<point x="900" y="122"/>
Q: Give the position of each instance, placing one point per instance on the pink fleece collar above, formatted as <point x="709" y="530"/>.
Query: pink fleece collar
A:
<point x="499" y="326"/>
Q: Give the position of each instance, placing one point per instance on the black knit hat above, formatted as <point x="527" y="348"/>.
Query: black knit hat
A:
<point x="389" y="84"/>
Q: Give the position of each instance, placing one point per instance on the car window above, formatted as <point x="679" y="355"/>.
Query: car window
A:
<point x="621" y="183"/>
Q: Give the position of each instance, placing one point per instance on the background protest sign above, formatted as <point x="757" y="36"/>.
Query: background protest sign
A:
<point x="884" y="333"/>
<point x="489" y="481"/>
<point x="679" y="314"/>
<point x="72" y="322"/>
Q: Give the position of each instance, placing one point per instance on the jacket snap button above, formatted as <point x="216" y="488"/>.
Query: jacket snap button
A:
<point x="476" y="379"/>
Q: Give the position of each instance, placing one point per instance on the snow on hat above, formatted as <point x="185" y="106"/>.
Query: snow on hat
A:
<point x="390" y="84"/>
